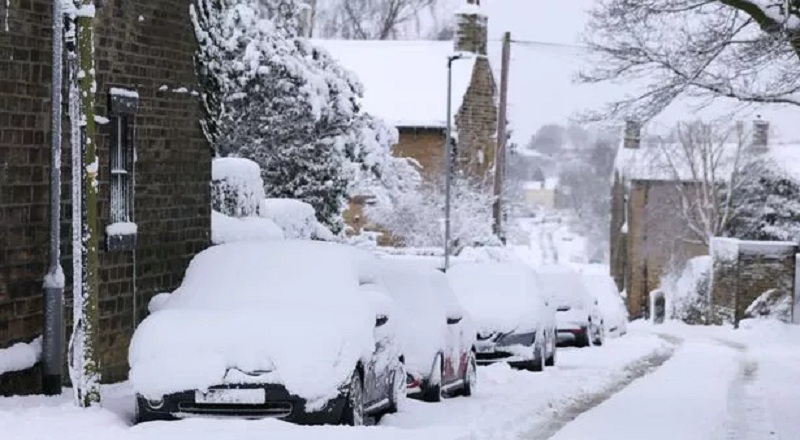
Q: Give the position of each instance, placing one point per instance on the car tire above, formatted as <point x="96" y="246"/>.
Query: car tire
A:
<point x="551" y="360"/>
<point x="432" y="392"/>
<point x="583" y="339"/>
<point x="598" y="340"/>
<point x="353" y="414"/>
<point x="470" y="376"/>
<point x="538" y="359"/>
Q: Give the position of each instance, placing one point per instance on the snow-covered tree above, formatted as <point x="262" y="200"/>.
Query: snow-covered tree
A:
<point x="746" y="50"/>
<point x="374" y="19"/>
<point x="272" y="97"/>
<point x="417" y="218"/>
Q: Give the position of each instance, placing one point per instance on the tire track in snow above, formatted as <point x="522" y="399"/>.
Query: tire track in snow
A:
<point x="587" y="402"/>
<point x="748" y="418"/>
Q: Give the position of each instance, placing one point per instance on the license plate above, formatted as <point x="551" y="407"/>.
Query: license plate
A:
<point x="249" y="396"/>
<point x="485" y="348"/>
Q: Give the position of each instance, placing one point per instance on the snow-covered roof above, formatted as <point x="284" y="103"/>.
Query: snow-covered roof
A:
<point x="405" y="82"/>
<point x="668" y="162"/>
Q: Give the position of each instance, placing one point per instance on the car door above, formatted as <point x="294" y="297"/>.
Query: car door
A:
<point x="378" y="371"/>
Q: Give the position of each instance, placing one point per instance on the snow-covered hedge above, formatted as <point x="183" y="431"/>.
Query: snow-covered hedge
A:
<point x="236" y="186"/>
<point x="686" y="291"/>
<point x="297" y="219"/>
<point x="225" y="229"/>
<point x="772" y="304"/>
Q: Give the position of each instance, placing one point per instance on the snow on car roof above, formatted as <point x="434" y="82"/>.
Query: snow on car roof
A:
<point x="563" y="283"/>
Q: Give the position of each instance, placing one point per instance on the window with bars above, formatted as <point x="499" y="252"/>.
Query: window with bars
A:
<point x="123" y="106"/>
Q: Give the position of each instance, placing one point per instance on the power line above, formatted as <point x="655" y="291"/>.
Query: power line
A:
<point x="533" y="43"/>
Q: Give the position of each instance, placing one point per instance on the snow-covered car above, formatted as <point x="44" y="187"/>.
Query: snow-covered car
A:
<point x="281" y="329"/>
<point x="436" y="334"/>
<point x="611" y="304"/>
<point x="578" y="317"/>
<point x="514" y="321"/>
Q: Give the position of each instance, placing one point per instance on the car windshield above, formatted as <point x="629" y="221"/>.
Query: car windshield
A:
<point x="564" y="285"/>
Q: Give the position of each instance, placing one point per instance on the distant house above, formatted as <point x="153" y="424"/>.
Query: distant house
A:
<point x="154" y="208"/>
<point x="649" y="231"/>
<point x="405" y="84"/>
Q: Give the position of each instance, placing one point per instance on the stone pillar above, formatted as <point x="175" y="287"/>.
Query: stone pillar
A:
<point x="760" y="133"/>
<point x="633" y="134"/>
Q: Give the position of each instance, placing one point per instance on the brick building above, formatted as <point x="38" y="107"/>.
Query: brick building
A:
<point x="152" y="141"/>
<point x="405" y="84"/>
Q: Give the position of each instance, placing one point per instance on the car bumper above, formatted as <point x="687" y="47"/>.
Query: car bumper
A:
<point x="278" y="404"/>
<point x="569" y="335"/>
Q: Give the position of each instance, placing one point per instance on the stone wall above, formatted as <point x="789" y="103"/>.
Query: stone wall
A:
<point x="144" y="45"/>
<point x="476" y="123"/>
<point x="426" y="146"/>
<point x="743" y="270"/>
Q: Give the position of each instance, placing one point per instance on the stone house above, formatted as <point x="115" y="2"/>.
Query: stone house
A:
<point x="155" y="168"/>
<point x="405" y="84"/>
<point x="649" y="233"/>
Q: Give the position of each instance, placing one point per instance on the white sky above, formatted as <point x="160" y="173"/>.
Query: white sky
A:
<point x="541" y="87"/>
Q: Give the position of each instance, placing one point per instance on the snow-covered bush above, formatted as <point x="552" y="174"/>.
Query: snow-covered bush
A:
<point x="687" y="290"/>
<point x="295" y="218"/>
<point x="271" y="96"/>
<point x="225" y="229"/>
<point x="236" y="187"/>
<point x="417" y="218"/>
<point x="772" y="304"/>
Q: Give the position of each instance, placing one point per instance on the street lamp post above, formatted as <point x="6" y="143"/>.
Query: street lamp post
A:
<point x="448" y="159"/>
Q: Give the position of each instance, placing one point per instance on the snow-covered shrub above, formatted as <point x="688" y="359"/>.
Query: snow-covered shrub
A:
<point x="417" y="218"/>
<point x="772" y="304"/>
<point x="236" y="187"/>
<point x="271" y="96"/>
<point x="296" y="218"/>
<point x="225" y="229"/>
<point x="687" y="289"/>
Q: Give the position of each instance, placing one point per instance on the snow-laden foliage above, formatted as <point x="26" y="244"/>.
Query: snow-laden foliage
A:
<point x="769" y="205"/>
<point x="772" y="304"/>
<point x="236" y="187"/>
<point x="272" y="97"/>
<point x="295" y="218"/>
<point x="686" y="290"/>
<point x="417" y="219"/>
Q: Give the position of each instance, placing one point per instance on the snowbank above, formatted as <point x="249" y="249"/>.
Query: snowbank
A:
<point x="252" y="307"/>
<point x="20" y="356"/>
<point x="236" y="186"/>
<point x="499" y="296"/>
<point x="226" y="229"/>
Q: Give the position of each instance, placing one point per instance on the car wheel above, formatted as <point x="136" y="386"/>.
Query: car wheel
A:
<point x="551" y="360"/>
<point x="582" y="339"/>
<point x="470" y="375"/>
<point x="398" y="389"/>
<point x="432" y="391"/>
<point x="354" y="405"/>
<point x="538" y="358"/>
<point x="598" y="340"/>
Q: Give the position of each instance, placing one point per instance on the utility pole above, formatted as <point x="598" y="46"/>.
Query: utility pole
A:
<point x="500" y="154"/>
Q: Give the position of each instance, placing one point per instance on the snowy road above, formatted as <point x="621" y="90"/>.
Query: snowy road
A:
<point x="665" y="382"/>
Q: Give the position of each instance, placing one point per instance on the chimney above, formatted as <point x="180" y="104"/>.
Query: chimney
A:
<point x="633" y="134"/>
<point x="471" y="28"/>
<point x="760" y="133"/>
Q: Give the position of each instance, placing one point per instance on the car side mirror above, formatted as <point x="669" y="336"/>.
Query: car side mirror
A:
<point x="381" y="320"/>
<point x="454" y="320"/>
<point x="563" y="309"/>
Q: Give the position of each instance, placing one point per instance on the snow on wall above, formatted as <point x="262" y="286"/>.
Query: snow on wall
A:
<point x="767" y="247"/>
<point x="237" y="187"/>
<point x="724" y="248"/>
<point x="20" y="356"/>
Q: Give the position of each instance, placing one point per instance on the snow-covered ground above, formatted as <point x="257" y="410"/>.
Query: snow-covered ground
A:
<point x="508" y="404"/>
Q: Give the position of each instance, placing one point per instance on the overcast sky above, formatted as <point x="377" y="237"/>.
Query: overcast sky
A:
<point x="541" y="78"/>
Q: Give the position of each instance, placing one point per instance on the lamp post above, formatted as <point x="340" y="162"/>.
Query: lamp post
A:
<point x="448" y="159"/>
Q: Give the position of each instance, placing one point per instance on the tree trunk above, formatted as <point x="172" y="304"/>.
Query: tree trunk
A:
<point x="88" y="391"/>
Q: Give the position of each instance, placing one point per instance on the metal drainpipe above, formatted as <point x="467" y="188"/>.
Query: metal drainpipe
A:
<point x="53" y="338"/>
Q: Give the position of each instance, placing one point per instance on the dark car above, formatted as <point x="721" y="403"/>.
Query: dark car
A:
<point x="283" y="329"/>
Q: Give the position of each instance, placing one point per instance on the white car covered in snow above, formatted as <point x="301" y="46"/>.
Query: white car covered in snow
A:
<point x="578" y="316"/>
<point x="611" y="304"/>
<point x="515" y="322"/>
<point x="283" y="329"/>
<point x="436" y="334"/>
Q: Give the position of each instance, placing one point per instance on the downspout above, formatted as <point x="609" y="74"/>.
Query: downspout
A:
<point x="53" y="338"/>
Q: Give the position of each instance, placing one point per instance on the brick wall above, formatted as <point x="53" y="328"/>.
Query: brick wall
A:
<point x="142" y="45"/>
<point x="476" y="122"/>
<point x="426" y="146"/>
